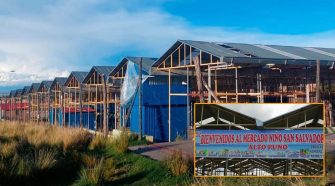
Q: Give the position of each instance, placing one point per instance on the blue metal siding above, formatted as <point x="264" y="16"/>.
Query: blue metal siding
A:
<point x="155" y="112"/>
<point x="110" y="116"/>
<point x="74" y="119"/>
<point x="88" y="120"/>
<point x="56" y="120"/>
<point x="51" y="116"/>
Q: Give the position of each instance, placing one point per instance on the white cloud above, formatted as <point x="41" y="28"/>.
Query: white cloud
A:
<point x="44" y="39"/>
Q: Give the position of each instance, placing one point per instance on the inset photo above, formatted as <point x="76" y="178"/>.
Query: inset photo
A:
<point x="273" y="140"/>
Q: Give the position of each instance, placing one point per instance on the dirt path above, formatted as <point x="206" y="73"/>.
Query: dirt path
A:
<point x="159" y="151"/>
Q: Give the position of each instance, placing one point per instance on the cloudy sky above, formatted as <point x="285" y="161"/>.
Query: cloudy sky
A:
<point x="41" y="39"/>
<point x="263" y="112"/>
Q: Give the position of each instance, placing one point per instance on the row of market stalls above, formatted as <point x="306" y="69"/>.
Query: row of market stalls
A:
<point x="78" y="100"/>
<point x="187" y="73"/>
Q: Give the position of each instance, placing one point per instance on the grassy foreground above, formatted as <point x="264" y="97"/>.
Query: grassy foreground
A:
<point x="33" y="154"/>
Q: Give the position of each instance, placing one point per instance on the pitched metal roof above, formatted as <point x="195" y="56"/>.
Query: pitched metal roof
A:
<point x="298" y="118"/>
<point x="256" y="51"/>
<point x="106" y="70"/>
<point x="282" y="52"/>
<point x="25" y="90"/>
<point x="12" y="93"/>
<point x="213" y="48"/>
<point x="147" y="62"/>
<point x="34" y="87"/>
<point x="46" y="84"/>
<point x="210" y="116"/>
<point x="60" y="80"/>
<point x="103" y="69"/>
<point x="18" y="92"/>
<point x="78" y="75"/>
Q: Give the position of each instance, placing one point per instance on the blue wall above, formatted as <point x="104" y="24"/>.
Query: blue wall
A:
<point x="88" y="119"/>
<point x="56" y="120"/>
<point x="72" y="119"/>
<point x="155" y="112"/>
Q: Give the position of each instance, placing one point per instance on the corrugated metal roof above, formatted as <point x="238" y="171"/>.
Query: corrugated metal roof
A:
<point x="78" y="75"/>
<point x="103" y="69"/>
<point x="147" y="62"/>
<point x="18" y="92"/>
<point x="60" y="80"/>
<point x="298" y="116"/>
<point x="256" y="51"/>
<point x="25" y="90"/>
<point x="12" y="93"/>
<point x="46" y="84"/>
<point x="213" y="48"/>
<point x="34" y="87"/>
<point x="283" y="52"/>
<point x="106" y="70"/>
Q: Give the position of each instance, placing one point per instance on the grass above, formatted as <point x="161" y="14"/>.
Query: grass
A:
<point x="133" y="169"/>
<point x="92" y="175"/>
<point x="177" y="164"/>
<point x="179" y="138"/>
<point x="33" y="154"/>
<point x="36" y="153"/>
<point x="121" y="142"/>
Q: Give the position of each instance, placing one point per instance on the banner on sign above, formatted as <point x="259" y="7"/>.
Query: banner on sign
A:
<point x="272" y="144"/>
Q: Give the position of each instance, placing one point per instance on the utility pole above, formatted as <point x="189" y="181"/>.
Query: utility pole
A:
<point x="317" y="81"/>
<point x="81" y="105"/>
<point x="105" y="124"/>
<point x="49" y="105"/>
<point x="199" y="78"/>
<point x="140" y="102"/>
<point x="0" y="108"/>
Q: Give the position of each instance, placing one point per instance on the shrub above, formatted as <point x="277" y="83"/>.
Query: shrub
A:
<point x="98" y="142"/>
<point x="8" y="149"/>
<point x="64" y="138"/>
<point x="179" y="138"/>
<point x="205" y="181"/>
<point x="177" y="164"/>
<point x="90" y="160"/>
<point x="45" y="158"/>
<point x="133" y="137"/>
<point x="27" y="163"/>
<point x="331" y="177"/>
<point x="121" y="142"/>
<point x="109" y="169"/>
<point x="22" y="165"/>
<point x="75" y="139"/>
<point x="91" y="175"/>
